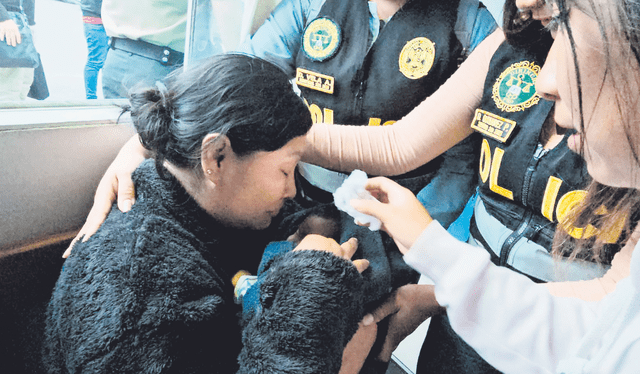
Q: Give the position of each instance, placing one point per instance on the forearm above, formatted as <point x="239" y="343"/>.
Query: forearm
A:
<point x="493" y="308"/>
<point x="133" y="148"/>
<point x="438" y="123"/>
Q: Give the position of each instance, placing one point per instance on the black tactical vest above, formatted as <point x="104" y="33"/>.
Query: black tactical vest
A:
<point x="524" y="186"/>
<point x="346" y="83"/>
<point x="414" y="54"/>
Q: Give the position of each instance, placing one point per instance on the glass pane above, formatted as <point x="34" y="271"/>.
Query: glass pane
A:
<point x="59" y="36"/>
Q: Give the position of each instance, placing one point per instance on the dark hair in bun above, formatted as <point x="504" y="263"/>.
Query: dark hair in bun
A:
<point x="248" y="99"/>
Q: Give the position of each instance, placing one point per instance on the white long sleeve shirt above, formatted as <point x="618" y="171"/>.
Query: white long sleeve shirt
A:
<point x="517" y="325"/>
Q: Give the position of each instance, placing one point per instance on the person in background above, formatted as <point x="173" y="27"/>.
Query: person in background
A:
<point x="152" y="290"/>
<point x="147" y="40"/>
<point x="97" y="45"/>
<point x="15" y="82"/>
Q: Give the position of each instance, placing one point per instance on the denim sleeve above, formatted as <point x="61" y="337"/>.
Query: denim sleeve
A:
<point x="483" y="26"/>
<point x="4" y="15"/>
<point x="251" y="299"/>
<point x="446" y="196"/>
<point x="29" y="7"/>
<point x="278" y="39"/>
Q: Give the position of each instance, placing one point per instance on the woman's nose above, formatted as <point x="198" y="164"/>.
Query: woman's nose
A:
<point x="290" y="188"/>
<point x="547" y="83"/>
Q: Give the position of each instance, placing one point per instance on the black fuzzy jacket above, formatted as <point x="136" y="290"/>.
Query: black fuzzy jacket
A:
<point x="151" y="292"/>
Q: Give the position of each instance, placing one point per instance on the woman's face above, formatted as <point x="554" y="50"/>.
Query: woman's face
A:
<point x="607" y="152"/>
<point x="253" y="188"/>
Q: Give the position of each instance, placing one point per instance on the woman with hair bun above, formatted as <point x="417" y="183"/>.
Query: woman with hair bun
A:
<point x="152" y="290"/>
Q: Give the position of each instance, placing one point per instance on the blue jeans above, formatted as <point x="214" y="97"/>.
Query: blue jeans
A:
<point x="123" y="71"/>
<point x="97" y="45"/>
<point x="446" y="197"/>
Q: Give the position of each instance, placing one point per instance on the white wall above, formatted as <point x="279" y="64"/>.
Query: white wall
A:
<point x="48" y="175"/>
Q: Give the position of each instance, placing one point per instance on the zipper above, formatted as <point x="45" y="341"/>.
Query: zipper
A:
<point x="359" y="80"/>
<point x="515" y="236"/>
<point x="533" y="165"/>
<point x="357" y="87"/>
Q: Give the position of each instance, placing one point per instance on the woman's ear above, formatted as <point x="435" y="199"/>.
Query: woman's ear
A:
<point x="216" y="149"/>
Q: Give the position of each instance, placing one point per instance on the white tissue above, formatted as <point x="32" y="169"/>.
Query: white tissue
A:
<point x="353" y="188"/>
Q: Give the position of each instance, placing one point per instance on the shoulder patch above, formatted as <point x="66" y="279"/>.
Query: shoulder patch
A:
<point x="321" y="39"/>
<point x="416" y="57"/>
<point x="493" y="126"/>
<point x="515" y="88"/>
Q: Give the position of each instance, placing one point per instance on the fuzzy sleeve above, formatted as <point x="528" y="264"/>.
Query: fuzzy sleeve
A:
<point x="438" y="123"/>
<point x="134" y="303"/>
<point x="311" y="303"/>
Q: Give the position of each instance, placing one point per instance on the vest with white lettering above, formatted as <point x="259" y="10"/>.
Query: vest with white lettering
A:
<point x="415" y="52"/>
<point x="524" y="188"/>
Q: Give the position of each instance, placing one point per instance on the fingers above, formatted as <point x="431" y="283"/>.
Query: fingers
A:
<point x="349" y="248"/>
<point x="126" y="192"/>
<point x="383" y="311"/>
<point x="10" y="32"/>
<point x="357" y="350"/>
<point x="381" y="188"/>
<point x="67" y="252"/>
<point x="17" y="38"/>
<point x="361" y="265"/>
<point x="388" y="347"/>
<point x="368" y="207"/>
<point x="102" y="201"/>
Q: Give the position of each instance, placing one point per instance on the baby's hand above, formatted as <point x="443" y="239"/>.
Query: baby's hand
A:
<point x="346" y="250"/>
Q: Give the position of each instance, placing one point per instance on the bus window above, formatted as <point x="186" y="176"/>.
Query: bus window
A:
<point x="216" y="26"/>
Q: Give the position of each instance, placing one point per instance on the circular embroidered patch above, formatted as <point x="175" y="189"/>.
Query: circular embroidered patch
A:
<point x="416" y="58"/>
<point x="321" y="39"/>
<point x="515" y="88"/>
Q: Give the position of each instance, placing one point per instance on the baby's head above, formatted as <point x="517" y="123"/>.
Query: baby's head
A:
<point x="325" y="222"/>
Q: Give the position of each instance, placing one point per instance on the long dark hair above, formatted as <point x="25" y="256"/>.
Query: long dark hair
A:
<point x="247" y="99"/>
<point x="606" y="207"/>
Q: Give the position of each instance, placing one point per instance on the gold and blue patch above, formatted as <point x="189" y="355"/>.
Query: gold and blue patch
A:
<point x="492" y="125"/>
<point x="515" y="88"/>
<point x="321" y="39"/>
<point x="315" y="81"/>
<point x="416" y="57"/>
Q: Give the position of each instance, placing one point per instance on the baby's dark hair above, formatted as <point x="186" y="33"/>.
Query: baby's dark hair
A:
<point x="245" y="98"/>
